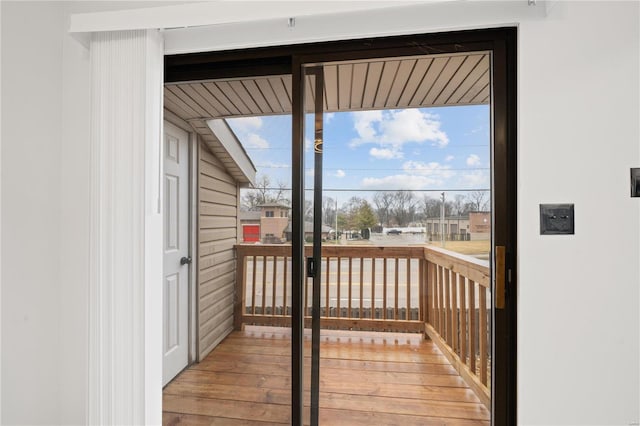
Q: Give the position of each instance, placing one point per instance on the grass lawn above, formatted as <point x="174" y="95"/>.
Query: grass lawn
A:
<point x="466" y="247"/>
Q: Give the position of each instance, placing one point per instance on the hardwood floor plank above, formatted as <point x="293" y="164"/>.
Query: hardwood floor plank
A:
<point x="366" y="379"/>
<point x="347" y="364"/>
<point x="282" y="395"/>
<point x="345" y="352"/>
<point x="364" y="418"/>
<point x="174" y="419"/>
<point x="230" y="409"/>
<point x="333" y="374"/>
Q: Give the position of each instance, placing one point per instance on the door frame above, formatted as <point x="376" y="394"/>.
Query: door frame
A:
<point x="289" y="60"/>
<point x="192" y="216"/>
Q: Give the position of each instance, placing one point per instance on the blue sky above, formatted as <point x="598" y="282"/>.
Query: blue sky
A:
<point x="413" y="149"/>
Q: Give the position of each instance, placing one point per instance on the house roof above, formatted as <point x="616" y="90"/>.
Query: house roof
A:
<point x="249" y="215"/>
<point x="281" y="206"/>
<point x="221" y="141"/>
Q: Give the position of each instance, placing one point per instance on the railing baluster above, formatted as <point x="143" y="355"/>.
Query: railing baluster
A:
<point x="395" y="287"/>
<point x="473" y="330"/>
<point x="253" y="286"/>
<point x="424" y="296"/>
<point x="284" y="291"/>
<point x="373" y="287"/>
<point x="482" y="299"/>
<point x="407" y="315"/>
<point x="384" y="288"/>
<point x="338" y="290"/>
<point x="463" y="318"/>
<point x="274" y="286"/>
<point x="454" y="312"/>
<point x="360" y="314"/>
<point x="327" y="312"/>
<point x="432" y="298"/>
<point x="350" y="286"/>
<point x="441" y="311"/>
<point x="241" y="271"/>
<point x="447" y="305"/>
<point x="264" y="284"/>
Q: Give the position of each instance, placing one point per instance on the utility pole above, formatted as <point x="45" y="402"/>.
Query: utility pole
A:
<point x="442" y="221"/>
<point x="337" y="220"/>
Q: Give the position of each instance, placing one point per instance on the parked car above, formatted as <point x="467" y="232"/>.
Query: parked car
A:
<point x="394" y="232"/>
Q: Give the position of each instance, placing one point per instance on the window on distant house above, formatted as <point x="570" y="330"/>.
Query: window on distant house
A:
<point x="268" y="213"/>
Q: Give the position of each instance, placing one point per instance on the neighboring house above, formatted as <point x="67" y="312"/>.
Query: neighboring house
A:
<point x="480" y="225"/>
<point x="250" y="226"/>
<point x="308" y="231"/>
<point x="473" y="226"/>
<point x="267" y="225"/>
<point x="274" y="218"/>
<point x="454" y="227"/>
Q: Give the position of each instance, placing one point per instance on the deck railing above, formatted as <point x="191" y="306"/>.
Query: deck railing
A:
<point x="410" y="289"/>
<point x="366" y="288"/>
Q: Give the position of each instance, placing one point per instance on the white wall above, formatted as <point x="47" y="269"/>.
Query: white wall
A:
<point x="578" y="136"/>
<point x="31" y="172"/>
<point x="45" y="213"/>
<point x="579" y="295"/>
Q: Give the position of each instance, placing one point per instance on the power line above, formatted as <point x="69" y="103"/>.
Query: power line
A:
<point x="419" y="169"/>
<point x="335" y="148"/>
<point x="377" y="190"/>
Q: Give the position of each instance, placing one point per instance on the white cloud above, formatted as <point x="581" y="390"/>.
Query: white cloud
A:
<point x="384" y="153"/>
<point x="391" y="130"/>
<point x="417" y="175"/>
<point x="473" y="160"/>
<point x="399" y="182"/>
<point x="476" y="178"/>
<point x="329" y="116"/>
<point x="253" y="140"/>
<point x="246" y="124"/>
<point x="428" y="169"/>
<point x="246" y="129"/>
<point x="363" y="122"/>
<point x="273" y="165"/>
<point x="449" y="158"/>
<point x="340" y="173"/>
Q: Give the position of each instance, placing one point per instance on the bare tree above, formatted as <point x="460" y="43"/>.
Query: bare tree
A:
<point x="329" y="211"/>
<point x="404" y="207"/>
<point x="430" y="207"/>
<point x="479" y="200"/>
<point x="384" y="202"/>
<point x="457" y="205"/>
<point x="263" y="193"/>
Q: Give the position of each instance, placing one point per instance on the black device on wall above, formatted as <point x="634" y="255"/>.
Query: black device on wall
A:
<point x="635" y="182"/>
<point x="557" y="219"/>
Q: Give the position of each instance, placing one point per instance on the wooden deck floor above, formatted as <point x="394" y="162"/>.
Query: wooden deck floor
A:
<point x="366" y="379"/>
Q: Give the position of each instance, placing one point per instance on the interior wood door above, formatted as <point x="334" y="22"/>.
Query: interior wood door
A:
<point x="175" y="286"/>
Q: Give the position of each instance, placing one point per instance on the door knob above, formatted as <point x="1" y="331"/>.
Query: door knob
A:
<point x="185" y="261"/>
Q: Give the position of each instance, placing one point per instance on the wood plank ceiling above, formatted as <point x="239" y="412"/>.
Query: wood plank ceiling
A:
<point x="428" y="81"/>
<point x="424" y="81"/>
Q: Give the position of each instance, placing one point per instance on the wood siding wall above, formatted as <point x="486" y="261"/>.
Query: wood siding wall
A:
<point x="217" y="234"/>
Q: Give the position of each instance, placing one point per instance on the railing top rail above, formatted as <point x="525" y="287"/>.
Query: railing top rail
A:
<point x="355" y="251"/>
<point x="468" y="266"/>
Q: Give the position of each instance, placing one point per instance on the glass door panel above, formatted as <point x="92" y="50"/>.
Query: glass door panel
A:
<point x="398" y="180"/>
